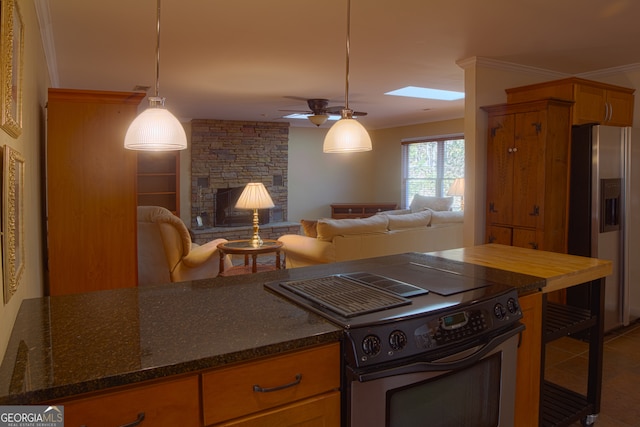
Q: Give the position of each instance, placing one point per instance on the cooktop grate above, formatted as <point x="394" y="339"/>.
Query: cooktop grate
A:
<point x="344" y="296"/>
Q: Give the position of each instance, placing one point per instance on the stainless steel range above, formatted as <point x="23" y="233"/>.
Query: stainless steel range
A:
<point x="422" y="345"/>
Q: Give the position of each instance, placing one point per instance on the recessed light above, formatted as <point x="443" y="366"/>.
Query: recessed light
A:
<point x="427" y="93"/>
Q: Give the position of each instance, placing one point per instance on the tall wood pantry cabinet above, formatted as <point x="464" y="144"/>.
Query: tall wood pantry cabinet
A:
<point x="528" y="174"/>
<point x="91" y="191"/>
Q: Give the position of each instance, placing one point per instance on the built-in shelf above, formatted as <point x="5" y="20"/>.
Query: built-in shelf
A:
<point x="158" y="180"/>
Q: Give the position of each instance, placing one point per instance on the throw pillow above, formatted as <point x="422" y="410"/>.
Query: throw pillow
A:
<point x="420" y="203"/>
<point x="310" y="228"/>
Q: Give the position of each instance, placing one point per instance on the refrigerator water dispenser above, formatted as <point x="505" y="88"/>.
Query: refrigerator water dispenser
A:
<point x="610" y="207"/>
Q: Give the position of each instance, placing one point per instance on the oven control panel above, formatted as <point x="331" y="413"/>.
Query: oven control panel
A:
<point x="430" y="332"/>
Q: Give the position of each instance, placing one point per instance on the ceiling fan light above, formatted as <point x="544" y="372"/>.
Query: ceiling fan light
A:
<point x="347" y="136"/>
<point x="318" y="119"/>
<point x="155" y="129"/>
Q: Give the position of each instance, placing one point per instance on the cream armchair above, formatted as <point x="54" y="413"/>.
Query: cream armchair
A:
<point x="166" y="253"/>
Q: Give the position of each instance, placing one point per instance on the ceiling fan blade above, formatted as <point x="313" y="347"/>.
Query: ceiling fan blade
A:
<point x="337" y="109"/>
<point x="334" y="109"/>
<point x="297" y="98"/>
<point x="297" y="111"/>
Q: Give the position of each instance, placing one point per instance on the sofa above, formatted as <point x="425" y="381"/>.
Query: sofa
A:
<point x="417" y="229"/>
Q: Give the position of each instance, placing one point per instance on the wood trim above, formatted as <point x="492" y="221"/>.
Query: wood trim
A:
<point x="84" y="96"/>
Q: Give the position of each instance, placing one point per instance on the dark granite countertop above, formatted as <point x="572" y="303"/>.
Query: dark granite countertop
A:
<point x="66" y="345"/>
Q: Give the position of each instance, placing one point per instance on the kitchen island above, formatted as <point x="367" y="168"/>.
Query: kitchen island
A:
<point x="546" y="321"/>
<point x="80" y="348"/>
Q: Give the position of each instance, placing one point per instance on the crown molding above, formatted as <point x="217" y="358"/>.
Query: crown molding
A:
<point x="623" y="69"/>
<point x="510" y="66"/>
<point x="46" y="33"/>
<point x="507" y="66"/>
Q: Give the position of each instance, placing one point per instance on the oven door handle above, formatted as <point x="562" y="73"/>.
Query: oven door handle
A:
<point x="450" y="363"/>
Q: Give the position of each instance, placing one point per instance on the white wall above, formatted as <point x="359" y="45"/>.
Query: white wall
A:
<point x="35" y="83"/>
<point x="317" y="179"/>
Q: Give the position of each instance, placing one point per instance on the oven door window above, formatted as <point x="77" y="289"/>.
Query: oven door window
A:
<point x="468" y="397"/>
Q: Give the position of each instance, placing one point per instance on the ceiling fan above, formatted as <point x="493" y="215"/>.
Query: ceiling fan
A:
<point x="320" y="110"/>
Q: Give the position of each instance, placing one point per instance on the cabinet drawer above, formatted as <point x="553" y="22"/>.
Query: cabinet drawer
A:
<point x="320" y="411"/>
<point x="230" y="392"/>
<point x="168" y="403"/>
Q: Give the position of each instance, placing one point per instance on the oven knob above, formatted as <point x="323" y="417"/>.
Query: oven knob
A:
<point x="371" y="345"/>
<point x="397" y="340"/>
<point x="499" y="311"/>
<point x="512" y="306"/>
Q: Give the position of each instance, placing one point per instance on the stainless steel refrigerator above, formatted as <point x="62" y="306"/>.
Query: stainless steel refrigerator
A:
<point x="603" y="215"/>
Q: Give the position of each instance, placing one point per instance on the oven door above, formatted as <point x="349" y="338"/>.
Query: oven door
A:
<point x="474" y="387"/>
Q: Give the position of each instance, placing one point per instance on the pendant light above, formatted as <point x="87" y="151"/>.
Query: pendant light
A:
<point x="156" y="129"/>
<point x="347" y="134"/>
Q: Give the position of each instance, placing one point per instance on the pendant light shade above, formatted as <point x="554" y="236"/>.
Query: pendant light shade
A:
<point x="156" y="129"/>
<point x="347" y="135"/>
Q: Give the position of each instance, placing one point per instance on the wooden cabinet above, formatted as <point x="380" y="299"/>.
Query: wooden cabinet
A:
<point x="594" y="102"/>
<point x="91" y="199"/>
<point x="158" y="180"/>
<point x="319" y="411"/>
<point x="292" y="388"/>
<point x="527" y="174"/>
<point x="359" y="210"/>
<point x="162" y="404"/>
<point x="528" y="368"/>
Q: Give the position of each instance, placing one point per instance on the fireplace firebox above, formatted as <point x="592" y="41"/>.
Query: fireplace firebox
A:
<point x="226" y="214"/>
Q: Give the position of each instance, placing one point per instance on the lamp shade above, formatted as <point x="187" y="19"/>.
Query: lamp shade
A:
<point x="254" y="196"/>
<point x="155" y="129"/>
<point x="346" y="135"/>
<point x="457" y="188"/>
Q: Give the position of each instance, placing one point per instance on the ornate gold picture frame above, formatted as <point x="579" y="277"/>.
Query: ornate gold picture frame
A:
<point x="12" y="220"/>
<point x="11" y="53"/>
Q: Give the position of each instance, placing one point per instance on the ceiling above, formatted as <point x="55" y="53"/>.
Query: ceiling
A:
<point x="250" y="59"/>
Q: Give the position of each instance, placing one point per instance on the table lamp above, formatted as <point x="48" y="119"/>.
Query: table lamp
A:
<point x="255" y="196"/>
<point x="457" y="189"/>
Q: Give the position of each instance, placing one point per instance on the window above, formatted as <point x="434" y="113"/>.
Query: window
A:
<point x="430" y="166"/>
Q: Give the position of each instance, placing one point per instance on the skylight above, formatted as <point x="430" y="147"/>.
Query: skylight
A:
<point x="423" y="92"/>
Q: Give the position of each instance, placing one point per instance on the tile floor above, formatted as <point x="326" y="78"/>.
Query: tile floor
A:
<point x="566" y="361"/>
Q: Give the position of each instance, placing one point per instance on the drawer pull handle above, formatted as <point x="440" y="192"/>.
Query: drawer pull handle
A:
<point x="137" y="422"/>
<point x="259" y="389"/>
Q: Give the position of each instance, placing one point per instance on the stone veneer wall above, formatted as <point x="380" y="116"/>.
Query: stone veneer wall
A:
<point x="227" y="153"/>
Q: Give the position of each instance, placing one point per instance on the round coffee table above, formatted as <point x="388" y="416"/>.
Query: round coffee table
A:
<point x="244" y="247"/>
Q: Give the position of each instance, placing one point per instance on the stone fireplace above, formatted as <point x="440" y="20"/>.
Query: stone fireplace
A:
<point x="225" y="156"/>
<point x="226" y="215"/>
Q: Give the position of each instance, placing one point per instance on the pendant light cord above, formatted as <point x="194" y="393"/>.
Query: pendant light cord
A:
<point x="157" y="94"/>
<point x="346" y="83"/>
